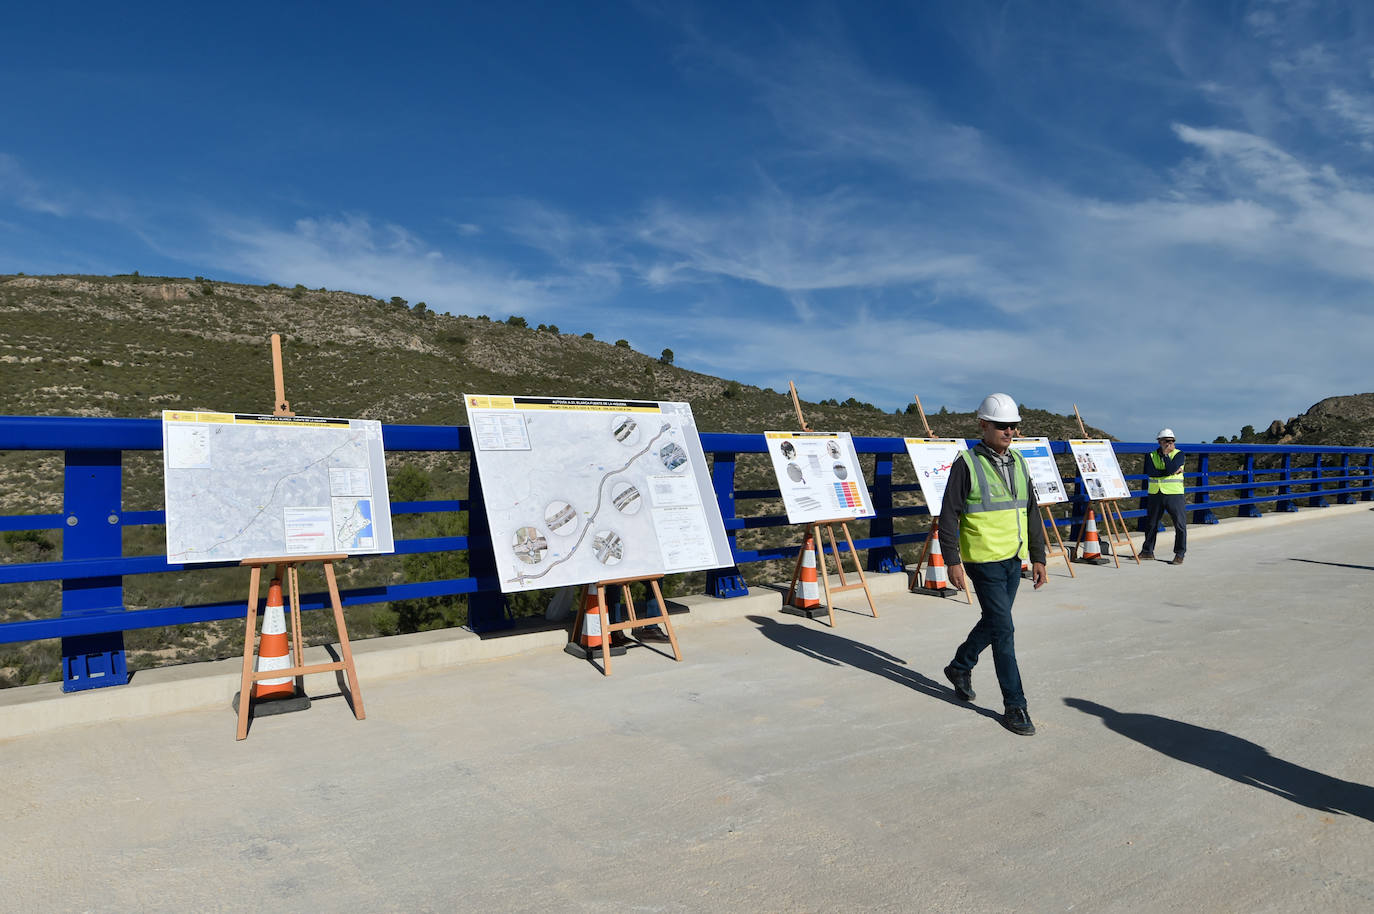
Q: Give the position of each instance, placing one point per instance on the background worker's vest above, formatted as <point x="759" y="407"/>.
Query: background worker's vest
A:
<point x="1167" y="485"/>
<point x="993" y="526"/>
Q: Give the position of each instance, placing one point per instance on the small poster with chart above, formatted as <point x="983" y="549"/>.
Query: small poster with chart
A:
<point x="932" y="459"/>
<point x="581" y="490"/>
<point x="819" y="476"/>
<point x="1044" y="472"/>
<point x="1097" y="464"/>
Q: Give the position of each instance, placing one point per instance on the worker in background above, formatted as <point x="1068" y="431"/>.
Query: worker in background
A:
<point x="988" y="526"/>
<point x="1164" y="492"/>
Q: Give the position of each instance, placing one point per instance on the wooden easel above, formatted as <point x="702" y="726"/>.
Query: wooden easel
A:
<point x="289" y="565"/>
<point x="813" y="530"/>
<point x="1047" y="522"/>
<point x="1112" y="520"/>
<point x="633" y="622"/>
<point x="934" y="520"/>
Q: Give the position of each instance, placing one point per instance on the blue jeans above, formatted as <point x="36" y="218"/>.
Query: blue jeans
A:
<point x="1155" y="507"/>
<point x="995" y="583"/>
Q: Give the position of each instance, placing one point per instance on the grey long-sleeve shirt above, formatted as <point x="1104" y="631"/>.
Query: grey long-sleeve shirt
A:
<point x="956" y="500"/>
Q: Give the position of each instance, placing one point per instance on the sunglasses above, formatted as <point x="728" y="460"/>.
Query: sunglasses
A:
<point x="1003" y="426"/>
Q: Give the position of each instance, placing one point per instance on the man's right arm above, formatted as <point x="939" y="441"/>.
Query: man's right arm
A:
<point x="955" y="501"/>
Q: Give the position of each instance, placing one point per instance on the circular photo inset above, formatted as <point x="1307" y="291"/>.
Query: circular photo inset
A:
<point x="794" y="473"/>
<point x="833" y="449"/>
<point x="626" y="498"/>
<point x="625" y="429"/>
<point x="673" y="456"/>
<point x="529" y="545"/>
<point x="788" y="450"/>
<point x="560" y="517"/>
<point x="608" y="547"/>
<point x="841" y="471"/>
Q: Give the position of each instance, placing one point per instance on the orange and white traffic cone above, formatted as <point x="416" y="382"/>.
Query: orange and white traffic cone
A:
<point x="937" y="578"/>
<point x="590" y="641"/>
<point x="1090" y="549"/>
<point x="274" y="653"/>
<point x="808" y="596"/>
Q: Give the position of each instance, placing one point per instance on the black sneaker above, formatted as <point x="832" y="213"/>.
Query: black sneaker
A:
<point x="962" y="682"/>
<point x="1018" y="721"/>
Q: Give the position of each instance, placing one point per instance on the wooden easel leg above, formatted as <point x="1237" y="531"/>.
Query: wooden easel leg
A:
<point x="663" y="612"/>
<point x="1047" y="522"/>
<point x="835" y="551"/>
<point x="605" y="629"/>
<point x="1125" y="533"/>
<point x="796" y="572"/>
<point x="824" y="572"/>
<point x="249" y="630"/>
<point x="355" y="691"/>
<point x="858" y="566"/>
<point x="916" y="576"/>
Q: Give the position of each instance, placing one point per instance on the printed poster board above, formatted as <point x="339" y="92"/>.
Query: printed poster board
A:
<point x="241" y="486"/>
<point x="581" y="490"/>
<point x="932" y="458"/>
<point x="1044" y="472"/>
<point x="819" y="476"/>
<point x="1097" y="465"/>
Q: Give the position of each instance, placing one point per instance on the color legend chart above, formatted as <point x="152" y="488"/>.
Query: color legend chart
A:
<point x="847" y="495"/>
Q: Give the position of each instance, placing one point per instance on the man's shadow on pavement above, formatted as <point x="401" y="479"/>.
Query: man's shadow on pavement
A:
<point x="820" y="644"/>
<point x="1238" y="759"/>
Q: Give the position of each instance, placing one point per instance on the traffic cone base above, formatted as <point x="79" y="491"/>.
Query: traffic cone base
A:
<point x="276" y="695"/>
<point x="937" y="576"/>
<point x="590" y="644"/>
<point x="1090" y="548"/>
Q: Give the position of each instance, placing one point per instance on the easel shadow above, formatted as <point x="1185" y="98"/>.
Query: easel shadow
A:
<point x="836" y="650"/>
<point x="1334" y="564"/>
<point x="1238" y="759"/>
<point x="782" y="589"/>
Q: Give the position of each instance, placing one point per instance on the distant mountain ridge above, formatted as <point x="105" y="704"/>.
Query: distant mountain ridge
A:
<point x="1346" y="420"/>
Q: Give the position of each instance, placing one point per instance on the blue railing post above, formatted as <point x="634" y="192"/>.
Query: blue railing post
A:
<point x="487" y="609"/>
<point x="1248" y="491"/>
<point x="1316" y="500"/>
<point x="1345" y="498"/>
<point x="882" y="558"/>
<point x="725" y="582"/>
<point x="92" y="502"/>
<point x="1368" y="479"/>
<point x="1204" y="515"/>
<point x="1284" y="504"/>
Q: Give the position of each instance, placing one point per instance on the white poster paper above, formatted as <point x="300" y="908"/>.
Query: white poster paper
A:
<point x="1044" y="472"/>
<point x="932" y="458"/>
<point x="819" y="476"/>
<point x="1097" y="465"/>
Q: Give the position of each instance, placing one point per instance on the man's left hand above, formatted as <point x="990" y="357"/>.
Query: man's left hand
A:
<point x="1039" y="575"/>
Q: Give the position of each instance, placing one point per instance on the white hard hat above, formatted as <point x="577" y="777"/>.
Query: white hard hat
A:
<point x="999" y="408"/>
<point x="1165" y="433"/>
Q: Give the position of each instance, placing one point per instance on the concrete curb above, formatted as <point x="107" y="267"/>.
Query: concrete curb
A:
<point x="169" y="690"/>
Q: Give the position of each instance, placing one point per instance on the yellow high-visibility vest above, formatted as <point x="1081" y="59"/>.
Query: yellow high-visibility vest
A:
<point x="1166" y="485"/>
<point x="993" y="526"/>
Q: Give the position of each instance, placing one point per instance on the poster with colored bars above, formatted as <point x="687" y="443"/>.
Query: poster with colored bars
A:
<point x="1097" y="465"/>
<point x="932" y="459"/>
<point x="819" y="476"/>
<point x="1044" y="472"/>
<point x="581" y="490"/>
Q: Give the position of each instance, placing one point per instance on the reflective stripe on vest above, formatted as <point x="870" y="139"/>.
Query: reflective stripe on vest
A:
<point x="993" y="526"/>
<point x="1166" y="485"/>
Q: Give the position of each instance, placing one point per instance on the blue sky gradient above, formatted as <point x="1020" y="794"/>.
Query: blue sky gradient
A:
<point x="1162" y="212"/>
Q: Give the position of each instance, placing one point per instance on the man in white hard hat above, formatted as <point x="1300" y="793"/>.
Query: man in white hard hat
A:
<point x="988" y="526"/>
<point x="1164" y="492"/>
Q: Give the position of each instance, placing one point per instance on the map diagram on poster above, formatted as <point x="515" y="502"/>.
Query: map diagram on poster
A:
<point x="240" y="486"/>
<point x="932" y="458"/>
<point x="579" y="491"/>
<point x="1044" y="472"/>
<point x="819" y="476"/>
<point x="1097" y="465"/>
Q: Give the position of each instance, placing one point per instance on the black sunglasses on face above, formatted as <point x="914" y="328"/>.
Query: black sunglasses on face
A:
<point x="1003" y="426"/>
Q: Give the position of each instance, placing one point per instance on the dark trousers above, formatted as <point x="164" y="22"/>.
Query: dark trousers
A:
<point x="995" y="583"/>
<point x="1156" y="506"/>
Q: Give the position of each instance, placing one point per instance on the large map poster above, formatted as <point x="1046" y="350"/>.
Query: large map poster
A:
<point x="242" y="486"/>
<point x="819" y="476"/>
<point x="1044" y="472"/>
<point x="932" y="459"/>
<point x="581" y="490"/>
<point x="1097" y="465"/>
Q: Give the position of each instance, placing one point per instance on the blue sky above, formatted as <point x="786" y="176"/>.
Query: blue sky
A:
<point x="1162" y="212"/>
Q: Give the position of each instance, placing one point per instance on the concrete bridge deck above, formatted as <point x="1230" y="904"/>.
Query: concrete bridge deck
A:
<point x="1205" y="744"/>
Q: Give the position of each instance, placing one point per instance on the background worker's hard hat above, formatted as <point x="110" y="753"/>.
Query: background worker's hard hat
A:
<point x="1165" y="433"/>
<point x="999" y="408"/>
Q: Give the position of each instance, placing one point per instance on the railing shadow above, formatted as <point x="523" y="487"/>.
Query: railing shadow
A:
<point x="1238" y="759"/>
<point x="836" y="650"/>
<point x="1334" y="564"/>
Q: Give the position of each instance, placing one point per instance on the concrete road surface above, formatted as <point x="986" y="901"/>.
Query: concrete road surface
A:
<point x="1205" y="745"/>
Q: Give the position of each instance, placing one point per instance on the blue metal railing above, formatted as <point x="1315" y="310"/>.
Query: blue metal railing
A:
<point x="93" y="566"/>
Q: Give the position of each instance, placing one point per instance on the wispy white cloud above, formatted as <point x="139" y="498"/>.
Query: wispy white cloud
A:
<point x="24" y="191"/>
